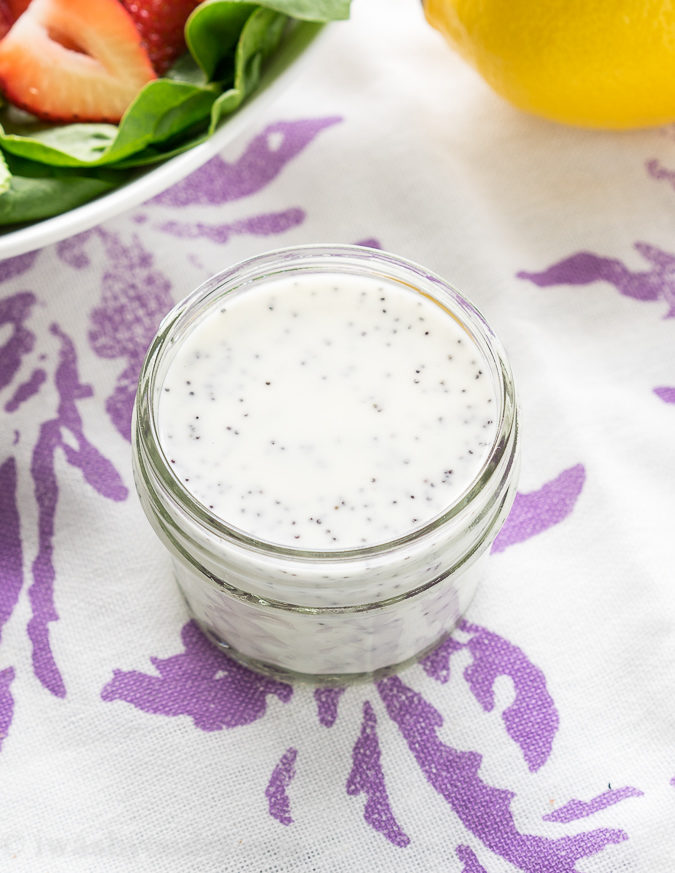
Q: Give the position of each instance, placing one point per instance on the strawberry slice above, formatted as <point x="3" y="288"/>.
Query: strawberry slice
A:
<point x="9" y="12"/>
<point x="16" y="7"/>
<point x="161" y="24"/>
<point x="73" y="60"/>
<point x="5" y="20"/>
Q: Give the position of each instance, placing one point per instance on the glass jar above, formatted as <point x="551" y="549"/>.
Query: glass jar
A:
<point x="328" y="615"/>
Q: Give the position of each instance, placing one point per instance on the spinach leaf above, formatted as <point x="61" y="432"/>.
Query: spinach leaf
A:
<point x="33" y="191"/>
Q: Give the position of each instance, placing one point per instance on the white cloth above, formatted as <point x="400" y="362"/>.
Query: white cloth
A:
<point x="539" y="739"/>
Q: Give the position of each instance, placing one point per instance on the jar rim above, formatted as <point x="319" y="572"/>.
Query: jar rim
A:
<point x="317" y="258"/>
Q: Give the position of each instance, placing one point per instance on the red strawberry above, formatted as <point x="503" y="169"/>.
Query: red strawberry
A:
<point x="9" y="12"/>
<point x="5" y="20"/>
<point x="73" y="60"/>
<point x="161" y="24"/>
<point x="17" y="7"/>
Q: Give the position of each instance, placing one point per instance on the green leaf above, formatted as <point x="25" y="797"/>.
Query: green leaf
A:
<point x="163" y="109"/>
<point x="212" y="31"/>
<point x="311" y="10"/>
<point x="25" y="135"/>
<point x="5" y="175"/>
<point x="186" y="69"/>
<point x="260" y="36"/>
<point x="33" y="191"/>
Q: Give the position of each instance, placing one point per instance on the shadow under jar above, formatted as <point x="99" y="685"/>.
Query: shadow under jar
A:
<point x="325" y="439"/>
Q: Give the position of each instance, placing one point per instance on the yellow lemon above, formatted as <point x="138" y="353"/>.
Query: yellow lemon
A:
<point x="597" y="63"/>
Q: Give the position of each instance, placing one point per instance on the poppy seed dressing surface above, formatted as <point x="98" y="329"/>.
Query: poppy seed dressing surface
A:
<point x="327" y="411"/>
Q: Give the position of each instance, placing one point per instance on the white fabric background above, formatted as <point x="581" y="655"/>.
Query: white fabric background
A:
<point x="428" y="162"/>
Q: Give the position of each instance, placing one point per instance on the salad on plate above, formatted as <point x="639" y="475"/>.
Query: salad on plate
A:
<point x="95" y="90"/>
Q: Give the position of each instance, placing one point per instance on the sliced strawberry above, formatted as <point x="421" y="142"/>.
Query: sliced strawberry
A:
<point x="5" y="20"/>
<point x="73" y="60"/>
<point x="9" y="12"/>
<point x="17" y="7"/>
<point x="161" y="24"/>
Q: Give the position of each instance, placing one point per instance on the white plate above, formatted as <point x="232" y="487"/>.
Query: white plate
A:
<point x="161" y="176"/>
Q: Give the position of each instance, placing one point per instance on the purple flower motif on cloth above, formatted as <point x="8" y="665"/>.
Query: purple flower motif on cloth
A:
<point x="576" y="809"/>
<point x="278" y="801"/>
<point x="135" y="296"/>
<point x="216" y="692"/>
<point x="437" y="663"/>
<point x="200" y="682"/>
<point x="73" y="249"/>
<point x="12" y="267"/>
<point x="469" y="859"/>
<point x="219" y="182"/>
<point x="654" y="284"/>
<point x="660" y="173"/>
<point x="259" y="225"/>
<point x="666" y="394"/>
<point x="97" y="471"/>
<point x="582" y="268"/>
<point x="367" y="777"/>
<point x="11" y="555"/>
<point x="267" y="154"/>
<point x="484" y="810"/>
<point x="26" y="389"/>
<point x="327" y="704"/>
<point x="536" y="511"/>
<point x="14" y="312"/>
<point x="532" y="719"/>
<point x="11" y="576"/>
<point x="6" y="702"/>
<point x="62" y="433"/>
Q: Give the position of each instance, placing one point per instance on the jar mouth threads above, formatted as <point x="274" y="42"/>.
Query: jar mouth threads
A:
<point x="336" y="611"/>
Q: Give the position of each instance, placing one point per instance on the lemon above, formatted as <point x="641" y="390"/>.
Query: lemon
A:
<point x="596" y="63"/>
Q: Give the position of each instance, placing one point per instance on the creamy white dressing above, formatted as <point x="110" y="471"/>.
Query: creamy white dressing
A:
<point x="327" y="411"/>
